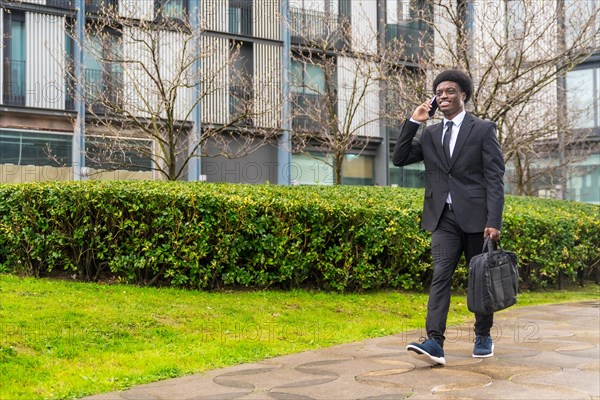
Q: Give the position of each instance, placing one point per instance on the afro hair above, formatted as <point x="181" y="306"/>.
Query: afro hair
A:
<point x="458" y="76"/>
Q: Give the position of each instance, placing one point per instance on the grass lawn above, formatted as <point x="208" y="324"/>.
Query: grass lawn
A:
<point x="63" y="339"/>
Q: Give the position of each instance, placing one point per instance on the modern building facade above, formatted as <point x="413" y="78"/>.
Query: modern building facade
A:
<point x="39" y="121"/>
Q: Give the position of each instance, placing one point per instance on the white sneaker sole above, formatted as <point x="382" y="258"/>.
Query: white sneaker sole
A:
<point x="485" y="355"/>
<point x="419" y="354"/>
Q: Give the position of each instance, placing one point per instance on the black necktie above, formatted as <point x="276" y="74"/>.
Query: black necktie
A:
<point x="446" y="142"/>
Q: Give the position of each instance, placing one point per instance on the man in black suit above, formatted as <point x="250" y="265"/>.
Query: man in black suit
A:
<point x="464" y="199"/>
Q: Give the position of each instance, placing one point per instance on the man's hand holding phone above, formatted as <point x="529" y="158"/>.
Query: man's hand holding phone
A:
<point x="425" y="111"/>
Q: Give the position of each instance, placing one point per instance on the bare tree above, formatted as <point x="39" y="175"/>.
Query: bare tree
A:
<point x="144" y="77"/>
<point x="335" y="88"/>
<point x="512" y="50"/>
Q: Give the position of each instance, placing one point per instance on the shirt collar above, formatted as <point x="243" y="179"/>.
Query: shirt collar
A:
<point x="458" y="120"/>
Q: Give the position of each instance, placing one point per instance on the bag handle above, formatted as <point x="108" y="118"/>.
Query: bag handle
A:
<point x="491" y="245"/>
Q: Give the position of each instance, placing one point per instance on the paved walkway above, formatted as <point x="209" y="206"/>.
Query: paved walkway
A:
<point x="541" y="352"/>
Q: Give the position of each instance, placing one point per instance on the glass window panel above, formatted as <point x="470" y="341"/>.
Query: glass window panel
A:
<point x="307" y="78"/>
<point x="18" y="40"/>
<point x="32" y="148"/>
<point x="597" y="95"/>
<point x="392" y="11"/>
<point x="470" y="17"/>
<point x="358" y="170"/>
<point x="409" y="176"/>
<point x="235" y="20"/>
<point x="515" y="18"/>
<point x="356" y="166"/>
<point x="69" y="47"/>
<point x="580" y="98"/>
<point x="310" y="170"/>
<point x="14" y="58"/>
<point x="584" y="180"/>
<point x="314" y="79"/>
<point x="174" y="9"/>
<point x="296" y="76"/>
<point x="93" y="68"/>
<point x="93" y="53"/>
<point x="579" y="13"/>
<point x="106" y="154"/>
<point x="240" y="17"/>
<point x="399" y="11"/>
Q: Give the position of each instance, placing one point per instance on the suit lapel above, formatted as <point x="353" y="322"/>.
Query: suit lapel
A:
<point x="463" y="135"/>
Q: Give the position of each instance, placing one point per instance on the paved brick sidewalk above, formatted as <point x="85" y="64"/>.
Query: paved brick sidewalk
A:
<point x="542" y="352"/>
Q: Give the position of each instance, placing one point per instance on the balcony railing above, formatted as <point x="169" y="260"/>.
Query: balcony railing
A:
<point x="239" y="101"/>
<point x="104" y="90"/>
<point x="240" y="18"/>
<point x="92" y="6"/>
<point x="13" y="87"/>
<point x="315" y="26"/>
<point x="66" y="4"/>
<point x="414" y="38"/>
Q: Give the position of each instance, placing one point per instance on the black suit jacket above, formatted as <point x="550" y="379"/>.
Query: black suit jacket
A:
<point x="473" y="176"/>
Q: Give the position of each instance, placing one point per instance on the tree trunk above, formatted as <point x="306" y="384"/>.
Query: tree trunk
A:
<point x="339" y="159"/>
<point x="519" y="175"/>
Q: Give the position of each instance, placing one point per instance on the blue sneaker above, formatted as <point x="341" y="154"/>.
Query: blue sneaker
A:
<point x="484" y="347"/>
<point x="429" y="351"/>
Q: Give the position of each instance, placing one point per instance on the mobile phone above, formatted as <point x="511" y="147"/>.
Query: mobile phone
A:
<point x="434" y="106"/>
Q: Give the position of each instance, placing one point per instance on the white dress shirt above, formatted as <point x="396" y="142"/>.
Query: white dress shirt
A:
<point x="456" y="123"/>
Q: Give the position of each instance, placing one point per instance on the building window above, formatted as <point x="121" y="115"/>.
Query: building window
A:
<point x="14" y="85"/>
<point x="102" y="153"/>
<point x="70" y="69"/>
<point x="317" y="169"/>
<point x="467" y="13"/>
<point x="34" y="148"/>
<point x="406" y="27"/>
<point x="311" y="170"/>
<point x="515" y="19"/>
<point x="583" y="97"/>
<point x="412" y="176"/>
<point x="241" y="74"/>
<point x="308" y="91"/>
<point x="307" y="78"/>
<point x="103" y="78"/>
<point x="400" y="11"/>
<point x="176" y="9"/>
<point x="358" y="170"/>
<point x="515" y="25"/>
<point x="579" y="14"/>
<point x="584" y="180"/>
<point x="240" y="17"/>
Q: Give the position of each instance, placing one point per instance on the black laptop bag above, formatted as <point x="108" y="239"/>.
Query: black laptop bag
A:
<point x="493" y="279"/>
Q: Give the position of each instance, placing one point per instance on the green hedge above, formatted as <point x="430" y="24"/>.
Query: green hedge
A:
<point x="211" y="236"/>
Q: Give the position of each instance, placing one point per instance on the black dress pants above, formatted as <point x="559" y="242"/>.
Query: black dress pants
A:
<point x="448" y="242"/>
